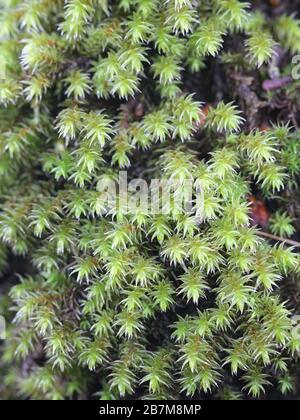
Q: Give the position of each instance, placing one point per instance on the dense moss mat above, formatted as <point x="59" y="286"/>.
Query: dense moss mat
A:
<point x="121" y="302"/>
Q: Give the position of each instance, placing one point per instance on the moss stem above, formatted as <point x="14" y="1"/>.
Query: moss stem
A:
<point x="279" y="238"/>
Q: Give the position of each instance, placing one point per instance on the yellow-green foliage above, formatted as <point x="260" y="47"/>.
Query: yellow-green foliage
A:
<point x="119" y="304"/>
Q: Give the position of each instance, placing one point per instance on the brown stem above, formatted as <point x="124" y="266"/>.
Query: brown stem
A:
<point x="278" y="238"/>
<point x="277" y="83"/>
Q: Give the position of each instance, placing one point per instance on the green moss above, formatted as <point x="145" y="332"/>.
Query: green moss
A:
<point x="120" y="303"/>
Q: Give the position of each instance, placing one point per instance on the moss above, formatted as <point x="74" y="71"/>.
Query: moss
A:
<point x="119" y="301"/>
